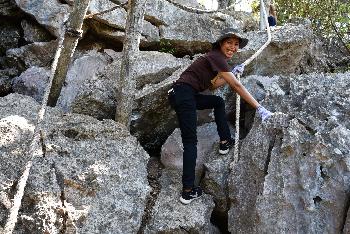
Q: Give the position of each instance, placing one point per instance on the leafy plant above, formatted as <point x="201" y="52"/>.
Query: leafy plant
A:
<point x="329" y="18"/>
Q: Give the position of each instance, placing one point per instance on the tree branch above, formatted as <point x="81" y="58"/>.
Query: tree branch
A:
<point x="339" y="36"/>
<point x="190" y="9"/>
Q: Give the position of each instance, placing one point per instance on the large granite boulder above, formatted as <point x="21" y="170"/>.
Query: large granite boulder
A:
<point x="37" y="58"/>
<point x="172" y="149"/>
<point x="38" y="54"/>
<point x="216" y="172"/>
<point x="32" y="82"/>
<point x="190" y="3"/>
<point x="51" y="14"/>
<point x="91" y="177"/>
<point x="185" y="30"/>
<point x="163" y="20"/>
<point x="33" y="32"/>
<point x="91" y="85"/>
<point x="169" y="215"/>
<point x="115" y="22"/>
<point x="294" y="49"/>
<point x="85" y="69"/>
<point x="294" y="177"/>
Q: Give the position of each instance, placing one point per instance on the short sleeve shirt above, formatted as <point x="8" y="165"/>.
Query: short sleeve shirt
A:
<point x="200" y="73"/>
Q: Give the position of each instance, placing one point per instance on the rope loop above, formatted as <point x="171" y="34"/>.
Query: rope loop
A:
<point x="238" y="98"/>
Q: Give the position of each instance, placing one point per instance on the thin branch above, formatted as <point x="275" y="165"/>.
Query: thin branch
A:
<point x="330" y="20"/>
<point x="89" y="16"/>
<point x="190" y="9"/>
<point x="339" y="36"/>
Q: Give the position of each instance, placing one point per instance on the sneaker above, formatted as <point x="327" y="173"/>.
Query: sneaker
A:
<point x="225" y="147"/>
<point x="187" y="197"/>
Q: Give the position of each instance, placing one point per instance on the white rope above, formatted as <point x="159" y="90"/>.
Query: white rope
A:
<point x="34" y="150"/>
<point x="238" y="98"/>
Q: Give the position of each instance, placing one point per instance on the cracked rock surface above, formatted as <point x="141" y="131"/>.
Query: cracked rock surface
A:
<point x="169" y="215"/>
<point x="92" y="177"/>
<point x="294" y="177"/>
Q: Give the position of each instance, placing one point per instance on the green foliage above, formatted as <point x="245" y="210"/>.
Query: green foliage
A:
<point x="255" y="7"/>
<point x="166" y="47"/>
<point x="329" y="18"/>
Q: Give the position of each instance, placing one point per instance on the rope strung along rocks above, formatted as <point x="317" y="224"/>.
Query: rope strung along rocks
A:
<point x="105" y="11"/>
<point x="66" y="47"/>
<point x="34" y="150"/>
<point x="190" y="9"/>
<point x="238" y="98"/>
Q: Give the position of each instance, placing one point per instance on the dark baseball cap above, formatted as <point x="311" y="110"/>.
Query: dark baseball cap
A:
<point x="231" y="32"/>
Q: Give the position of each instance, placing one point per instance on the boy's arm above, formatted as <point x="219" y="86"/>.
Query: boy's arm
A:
<point x="239" y="88"/>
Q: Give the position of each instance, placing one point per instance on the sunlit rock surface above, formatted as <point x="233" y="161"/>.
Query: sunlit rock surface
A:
<point x="91" y="177"/>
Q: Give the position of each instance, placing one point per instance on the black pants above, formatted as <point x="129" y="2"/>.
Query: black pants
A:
<point x="185" y="101"/>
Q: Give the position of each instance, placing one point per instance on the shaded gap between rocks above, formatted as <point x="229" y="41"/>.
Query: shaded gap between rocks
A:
<point x="42" y="143"/>
<point x="308" y="128"/>
<point x="268" y="158"/>
<point x="219" y="217"/>
<point x="154" y="170"/>
<point x="60" y="182"/>
<point x="154" y="21"/>
<point x="220" y="220"/>
<point x="93" y="38"/>
<point x="346" y="211"/>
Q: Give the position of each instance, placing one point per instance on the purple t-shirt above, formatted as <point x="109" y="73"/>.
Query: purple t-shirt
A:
<point x="204" y="69"/>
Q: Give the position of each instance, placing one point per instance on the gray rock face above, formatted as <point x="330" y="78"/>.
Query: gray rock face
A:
<point x="169" y="215"/>
<point x="215" y="181"/>
<point x="32" y="82"/>
<point x="190" y="3"/>
<point x="36" y="54"/>
<point x="152" y="101"/>
<point x="172" y="150"/>
<point x="347" y="223"/>
<point x="115" y="18"/>
<point x="116" y="21"/>
<point x="6" y="76"/>
<point x="91" y="179"/>
<point x="246" y="181"/>
<point x="185" y="30"/>
<point x="9" y="37"/>
<point x="91" y="85"/>
<point x="83" y="69"/>
<point x="294" y="49"/>
<point x="163" y="20"/>
<point x="295" y="177"/>
<point x="34" y="33"/>
<point x="51" y="14"/>
<point x="9" y="8"/>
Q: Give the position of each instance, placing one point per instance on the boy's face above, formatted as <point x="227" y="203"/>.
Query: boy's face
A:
<point x="229" y="46"/>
